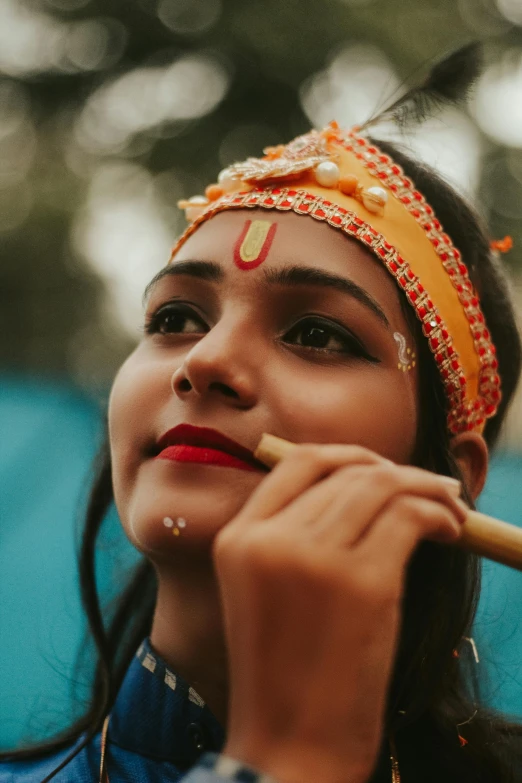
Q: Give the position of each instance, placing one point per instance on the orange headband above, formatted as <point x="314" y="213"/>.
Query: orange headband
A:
<point x="339" y="177"/>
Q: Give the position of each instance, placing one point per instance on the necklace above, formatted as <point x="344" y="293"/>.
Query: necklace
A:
<point x="104" y="776"/>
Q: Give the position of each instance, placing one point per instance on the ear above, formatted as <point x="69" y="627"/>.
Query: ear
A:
<point x="470" y="452"/>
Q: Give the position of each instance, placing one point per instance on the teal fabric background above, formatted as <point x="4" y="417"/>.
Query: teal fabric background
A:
<point x="49" y="435"/>
<point x="498" y="623"/>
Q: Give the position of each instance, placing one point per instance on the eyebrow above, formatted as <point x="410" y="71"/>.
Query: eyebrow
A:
<point x="287" y="276"/>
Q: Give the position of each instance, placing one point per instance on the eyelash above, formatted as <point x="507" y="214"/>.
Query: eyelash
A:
<point x="353" y="347"/>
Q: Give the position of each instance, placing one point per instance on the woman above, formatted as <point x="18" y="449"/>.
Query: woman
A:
<point x="308" y="623"/>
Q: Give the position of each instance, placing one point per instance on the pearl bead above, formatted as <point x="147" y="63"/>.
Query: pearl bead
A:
<point x="379" y="193"/>
<point x="374" y="199"/>
<point x="327" y="174"/>
<point x="227" y="181"/>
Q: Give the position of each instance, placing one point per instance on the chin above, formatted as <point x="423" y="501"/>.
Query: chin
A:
<point x="150" y="525"/>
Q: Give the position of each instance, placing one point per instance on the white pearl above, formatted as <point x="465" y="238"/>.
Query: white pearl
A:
<point x="379" y="192"/>
<point x="327" y="174"/>
<point x="227" y="181"/>
<point x="168" y="522"/>
<point x="374" y="199"/>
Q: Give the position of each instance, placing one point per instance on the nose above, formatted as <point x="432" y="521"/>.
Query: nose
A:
<point x="220" y="365"/>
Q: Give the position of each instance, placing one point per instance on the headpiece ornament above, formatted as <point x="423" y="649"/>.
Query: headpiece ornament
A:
<point x="343" y="179"/>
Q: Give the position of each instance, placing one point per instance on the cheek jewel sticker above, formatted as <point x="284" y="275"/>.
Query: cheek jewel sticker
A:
<point x="253" y="243"/>
<point x="406" y="355"/>
<point x="180" y="522"/>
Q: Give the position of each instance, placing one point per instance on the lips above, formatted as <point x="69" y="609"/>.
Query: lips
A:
<point x="206" y="438"/>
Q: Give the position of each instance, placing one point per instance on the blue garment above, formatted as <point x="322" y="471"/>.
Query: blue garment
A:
<point x="160" y="729"/>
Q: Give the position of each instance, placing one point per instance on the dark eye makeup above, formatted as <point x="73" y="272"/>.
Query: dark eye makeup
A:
<point x="313" y="333"/>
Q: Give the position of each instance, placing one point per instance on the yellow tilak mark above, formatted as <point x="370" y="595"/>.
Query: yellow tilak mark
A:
<point x="254" y="240"/>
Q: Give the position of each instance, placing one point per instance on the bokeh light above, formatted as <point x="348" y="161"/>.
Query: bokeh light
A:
<point x="453" y="146"/>
<point x="30" y="41"/>
<point x="144" y="98"/>
<point x="350" y="88"/>
<point x="187" y="17"/>
<point x="122" y="235"/>
<point x="33" y="42"/>
<point x="511" y="9"/>
<point x="94" y="44"/>
<point x="497" y="103"/>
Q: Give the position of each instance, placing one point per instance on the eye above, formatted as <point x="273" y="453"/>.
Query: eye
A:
<point x="319" y="335"/>
<point x="175" y="318"/>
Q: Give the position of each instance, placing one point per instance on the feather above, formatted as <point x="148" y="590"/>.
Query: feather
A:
<point x="448" y="82"/>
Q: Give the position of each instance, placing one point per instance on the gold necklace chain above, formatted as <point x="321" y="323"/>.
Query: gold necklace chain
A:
<point x="104" y="776"/>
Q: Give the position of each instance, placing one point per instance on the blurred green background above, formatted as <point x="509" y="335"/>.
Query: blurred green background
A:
<point x="111" y="111"/>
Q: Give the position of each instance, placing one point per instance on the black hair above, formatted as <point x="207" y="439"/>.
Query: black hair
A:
<point x="434" y="694"/>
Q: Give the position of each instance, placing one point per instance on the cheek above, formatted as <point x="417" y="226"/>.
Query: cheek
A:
<point x="375" y="409"/>
<point x="135" y="394"/>
<point x="148" y="491"/>
<point x="125" y="403"/>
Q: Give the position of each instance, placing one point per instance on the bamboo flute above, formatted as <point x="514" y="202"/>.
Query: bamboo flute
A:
<point x="483" y="535"/>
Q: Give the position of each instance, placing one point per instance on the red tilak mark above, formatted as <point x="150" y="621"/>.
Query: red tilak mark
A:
<point x="263" y="250"/>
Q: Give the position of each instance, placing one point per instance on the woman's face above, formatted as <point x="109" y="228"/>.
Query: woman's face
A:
<point x="242" y="348"/>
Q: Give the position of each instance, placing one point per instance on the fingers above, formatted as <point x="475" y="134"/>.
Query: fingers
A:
<point x="369" y="490"/>
<point x="349" y="497"/>
<point x="304" y="467"/>
<point x="406" y="521"/>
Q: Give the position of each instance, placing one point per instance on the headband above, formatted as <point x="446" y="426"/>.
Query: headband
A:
<point x="341" y="178"/>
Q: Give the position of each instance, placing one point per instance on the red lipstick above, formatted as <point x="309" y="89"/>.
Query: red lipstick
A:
<point x="186" y="443"/>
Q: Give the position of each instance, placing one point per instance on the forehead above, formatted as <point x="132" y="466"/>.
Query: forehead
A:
<point x="296" y="239"/>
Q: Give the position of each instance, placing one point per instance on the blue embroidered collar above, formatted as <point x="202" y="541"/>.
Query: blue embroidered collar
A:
<point x="159" y="715"/>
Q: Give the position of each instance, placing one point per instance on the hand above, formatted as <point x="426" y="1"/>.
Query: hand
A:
<point x="311" y="574"/>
